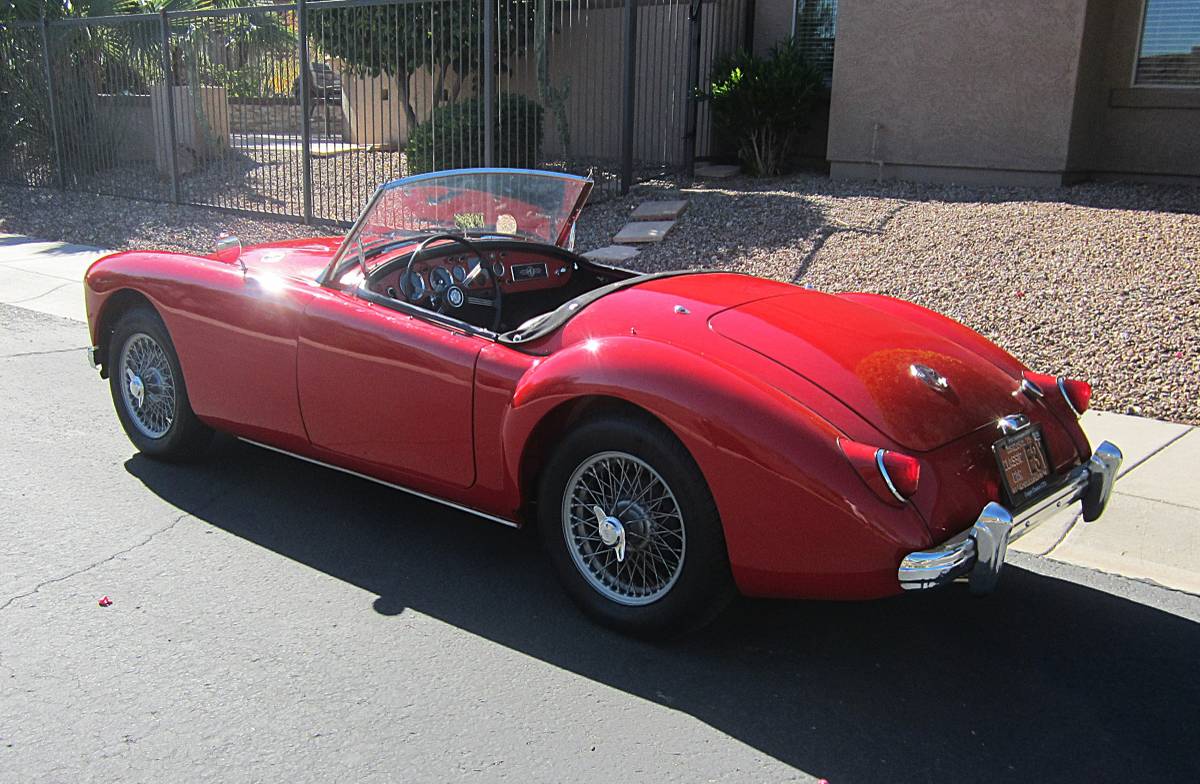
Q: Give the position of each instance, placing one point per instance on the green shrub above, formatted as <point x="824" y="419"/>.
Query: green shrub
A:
<point x="762" y="104"/>
<point x="452" y="138"/>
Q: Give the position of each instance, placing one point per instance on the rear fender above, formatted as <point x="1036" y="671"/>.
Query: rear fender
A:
<point x="798" y="521"/>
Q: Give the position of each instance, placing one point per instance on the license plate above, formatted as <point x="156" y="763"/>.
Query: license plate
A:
<point x="1024" y="464"/>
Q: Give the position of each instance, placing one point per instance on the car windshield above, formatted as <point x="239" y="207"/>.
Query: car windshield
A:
<point x="534" y="205"/>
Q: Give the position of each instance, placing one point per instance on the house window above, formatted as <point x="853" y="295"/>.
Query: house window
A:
<point x="813" y="27"/>
<point x="1169" y="55"/>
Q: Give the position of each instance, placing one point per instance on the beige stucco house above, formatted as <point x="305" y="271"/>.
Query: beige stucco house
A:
<point x="1012" y="92"/>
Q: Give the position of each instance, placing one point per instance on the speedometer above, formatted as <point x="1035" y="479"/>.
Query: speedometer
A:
<point x="416" y="287"/>
<point x="439" y="278"/>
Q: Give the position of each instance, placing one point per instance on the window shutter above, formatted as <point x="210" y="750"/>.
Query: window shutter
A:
<point x="1169" y="55"/>
<point x="814" y="25"/>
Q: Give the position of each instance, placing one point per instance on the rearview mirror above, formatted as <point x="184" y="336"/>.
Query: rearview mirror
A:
<point x="229" y="249"/>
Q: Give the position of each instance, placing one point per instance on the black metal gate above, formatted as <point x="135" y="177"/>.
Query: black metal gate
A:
<point x="300" y="109"/>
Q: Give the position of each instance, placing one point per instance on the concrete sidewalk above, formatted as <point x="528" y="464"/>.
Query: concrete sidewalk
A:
<point x="1151" y="530"/>
<point x="45" y="276"/>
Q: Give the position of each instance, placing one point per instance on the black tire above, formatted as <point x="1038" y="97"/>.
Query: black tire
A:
<point x="183" y="437"/>
<point x="702" y="586"/>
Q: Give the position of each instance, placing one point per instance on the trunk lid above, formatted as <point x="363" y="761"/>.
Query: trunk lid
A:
<point x="866" y="359"/>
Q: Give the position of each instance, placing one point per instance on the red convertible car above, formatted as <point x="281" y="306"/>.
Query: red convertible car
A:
<point x="677" y="437"/>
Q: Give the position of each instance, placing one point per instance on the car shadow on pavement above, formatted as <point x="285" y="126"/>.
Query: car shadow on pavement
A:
<point x="1046" y="680"/>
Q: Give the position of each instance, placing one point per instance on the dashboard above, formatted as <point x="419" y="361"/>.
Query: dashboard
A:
<point x="517" y="270"/>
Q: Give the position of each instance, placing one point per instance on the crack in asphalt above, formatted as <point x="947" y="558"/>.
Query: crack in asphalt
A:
<point x="145" y="541"/>
<point x="43" y="353"/>
<point x="52" y="580"/>
<point x="43" y="294"/>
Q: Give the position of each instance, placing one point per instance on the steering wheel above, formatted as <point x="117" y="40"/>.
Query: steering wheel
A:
<point x="455" y="296"/>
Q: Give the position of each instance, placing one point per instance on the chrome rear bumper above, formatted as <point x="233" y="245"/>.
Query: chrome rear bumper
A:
<point x="979" y="551"/>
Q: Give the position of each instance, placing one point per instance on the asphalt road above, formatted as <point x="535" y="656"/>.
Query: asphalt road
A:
<point x="272" y="620"/>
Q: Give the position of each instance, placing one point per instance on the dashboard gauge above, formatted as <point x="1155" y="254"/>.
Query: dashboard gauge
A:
<point x="439" y="278"/>
<point x="498" y="269"/>
<point x="416" y="287"/>
<point x="460" y="273"/>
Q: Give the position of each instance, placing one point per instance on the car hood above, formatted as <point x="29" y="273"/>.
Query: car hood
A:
<point x="888" y="370"/>
<point x="304" y="258"/>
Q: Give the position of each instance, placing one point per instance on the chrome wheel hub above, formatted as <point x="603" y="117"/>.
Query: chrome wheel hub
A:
<point x="612" y="533"/>
<point x="148" y="393"/>
<point x="623" y="528"/>
<point x="137" y="389"/>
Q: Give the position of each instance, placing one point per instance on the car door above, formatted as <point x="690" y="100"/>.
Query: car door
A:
<point x="388" y="388"/>
<point x="236" y="334"/>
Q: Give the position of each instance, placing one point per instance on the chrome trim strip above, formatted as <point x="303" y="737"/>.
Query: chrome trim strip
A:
<point x="482" y="170"/>
<point x="92" y="353"/>
<point x="886" y="477"/>
<point x="1013" y="423"/>
<point x="1031" y="389"/>
<point x="1062" y="390"/>
<point x="401" y="488"/>
<point x="327" y="275"/>
<point x="979" y="551"/>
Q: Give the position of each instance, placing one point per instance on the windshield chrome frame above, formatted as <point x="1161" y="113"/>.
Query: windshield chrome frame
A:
<point x="327" y="277"/>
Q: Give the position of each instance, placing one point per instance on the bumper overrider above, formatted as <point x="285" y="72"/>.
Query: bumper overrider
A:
<point x="979" y="551"/>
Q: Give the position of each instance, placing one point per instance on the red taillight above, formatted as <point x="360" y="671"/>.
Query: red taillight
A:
<point x="1077" y="393"/>
<point x="892" y="476"/>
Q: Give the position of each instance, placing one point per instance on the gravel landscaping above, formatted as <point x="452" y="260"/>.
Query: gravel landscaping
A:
<point x="1096" y="281"/>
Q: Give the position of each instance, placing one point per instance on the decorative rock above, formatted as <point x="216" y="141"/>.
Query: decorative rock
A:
<point x="644" y="231"/>
<point x="659" y="210"/>
<point x="717" y="171"/>
<point x="612" y="253"/>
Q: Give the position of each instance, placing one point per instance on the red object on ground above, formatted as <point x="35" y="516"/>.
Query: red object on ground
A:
<point x="104" y="601"/>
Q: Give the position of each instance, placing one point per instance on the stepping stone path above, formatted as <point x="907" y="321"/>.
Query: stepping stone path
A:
<point x="659" y="210"/>
<point x="642" y="232"/>
<point x="651" y="221"/>
<point x="612" y="253"/>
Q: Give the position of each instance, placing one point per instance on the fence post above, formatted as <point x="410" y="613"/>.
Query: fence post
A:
<point x="305" y="106"/>
<point x="168" y="70"/>
<point x="630" y="104"/>
<point x="692" y="106"/>
<point x="489" y="83"/>
<point x="58" y="150"/>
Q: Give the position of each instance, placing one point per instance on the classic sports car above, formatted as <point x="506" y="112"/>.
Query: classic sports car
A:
<point x="676" y="437"/>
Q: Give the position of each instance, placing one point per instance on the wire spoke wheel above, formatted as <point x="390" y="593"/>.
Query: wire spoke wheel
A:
<point x="624" y="529"/>
<point x="147" y="385"/>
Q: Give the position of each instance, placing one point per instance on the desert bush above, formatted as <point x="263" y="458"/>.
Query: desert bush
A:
<point x="762" y="104"/>
<point x="452" y="138"/>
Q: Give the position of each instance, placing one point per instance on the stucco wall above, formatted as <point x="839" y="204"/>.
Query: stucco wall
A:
<point x="975" y="90"/>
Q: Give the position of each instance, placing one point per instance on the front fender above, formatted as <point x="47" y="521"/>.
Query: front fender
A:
<point x="798" y="521"/>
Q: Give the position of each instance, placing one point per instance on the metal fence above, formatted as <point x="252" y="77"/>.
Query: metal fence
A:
<point x="301" y="109"/>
